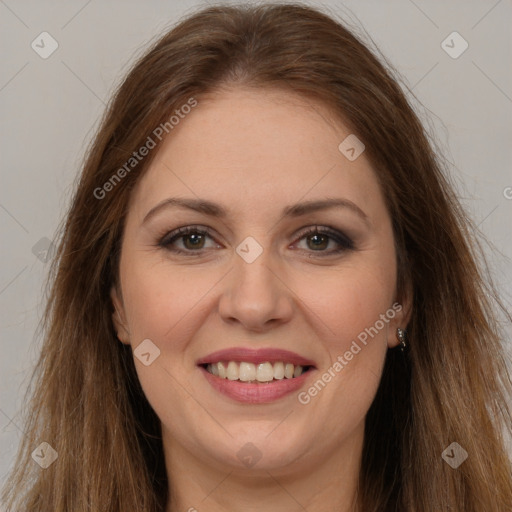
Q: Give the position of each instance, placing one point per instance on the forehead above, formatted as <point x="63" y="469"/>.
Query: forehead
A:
<point x="254" y="149"/>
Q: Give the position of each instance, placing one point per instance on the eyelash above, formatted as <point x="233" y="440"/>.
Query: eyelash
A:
<point x="342" y="240"/>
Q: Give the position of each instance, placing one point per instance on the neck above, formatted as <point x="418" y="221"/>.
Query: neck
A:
<point x="313" y="484"/>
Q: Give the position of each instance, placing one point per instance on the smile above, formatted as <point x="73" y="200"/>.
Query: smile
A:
<point x="250" y="372"/>
<point x="255" y="376"/>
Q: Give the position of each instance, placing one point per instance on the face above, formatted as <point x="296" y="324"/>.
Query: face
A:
<point x="260" y="288"/>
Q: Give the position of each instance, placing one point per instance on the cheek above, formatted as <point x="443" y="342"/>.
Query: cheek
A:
<point x="165" y="304"/>
<point x="353" y="317"/>
<point x="161" y="299"/>
<point x="349" y="302"/>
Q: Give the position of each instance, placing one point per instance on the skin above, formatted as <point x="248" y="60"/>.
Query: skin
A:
<point x="256" y="152"/>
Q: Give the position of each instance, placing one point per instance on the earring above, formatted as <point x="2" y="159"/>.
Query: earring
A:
<point x="401" y="336"/>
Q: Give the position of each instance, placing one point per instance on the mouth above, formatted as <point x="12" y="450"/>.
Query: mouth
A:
<point x="256" y="376"/>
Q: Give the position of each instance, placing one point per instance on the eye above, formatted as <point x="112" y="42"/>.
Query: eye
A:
<point x="318" y="238"/>
<point x="192" y="237"/>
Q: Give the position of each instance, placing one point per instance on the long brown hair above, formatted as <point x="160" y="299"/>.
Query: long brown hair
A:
<point x="451" y="385"/>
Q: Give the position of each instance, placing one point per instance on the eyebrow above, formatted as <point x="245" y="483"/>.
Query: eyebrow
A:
<point x="216" y="210"/>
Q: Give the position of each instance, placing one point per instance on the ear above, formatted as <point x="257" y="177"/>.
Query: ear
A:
<point x="403" y="313"/>
<point x="119" y="317"/>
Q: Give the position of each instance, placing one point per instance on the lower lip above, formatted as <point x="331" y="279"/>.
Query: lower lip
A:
<point x="255" y="393"/>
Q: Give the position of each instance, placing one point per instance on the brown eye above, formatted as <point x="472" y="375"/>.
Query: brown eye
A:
<point x="192" y="238"/>
<point x="318" y="239"/>
<point x="196" y="241"/>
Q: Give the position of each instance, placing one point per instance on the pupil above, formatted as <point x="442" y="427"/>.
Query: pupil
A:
<point x="195" y="239"/>
<point x="316" y="237"/>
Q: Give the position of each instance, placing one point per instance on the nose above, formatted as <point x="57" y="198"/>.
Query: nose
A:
<point x="256" y="295"/>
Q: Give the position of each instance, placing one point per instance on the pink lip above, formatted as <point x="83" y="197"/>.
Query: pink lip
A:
<point x="256" y="356"/>
<point x="255" y="393"/>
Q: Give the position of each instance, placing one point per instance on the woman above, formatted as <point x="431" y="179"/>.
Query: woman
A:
<point x="265" y="295"/>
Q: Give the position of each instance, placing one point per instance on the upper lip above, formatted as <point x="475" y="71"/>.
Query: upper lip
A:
<point x="256" y="356"/>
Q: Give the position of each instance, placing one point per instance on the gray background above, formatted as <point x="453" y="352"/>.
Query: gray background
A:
<point x="50" y="108"/>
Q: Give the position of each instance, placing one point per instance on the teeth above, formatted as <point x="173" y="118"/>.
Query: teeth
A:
<point x="249" y="372"/>
<point x="265" y="372"/>
<point x="278" y="370"/>
<point x="222" y="370"/>
<point x="233" y="371"/>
